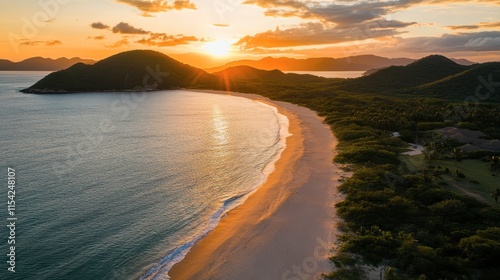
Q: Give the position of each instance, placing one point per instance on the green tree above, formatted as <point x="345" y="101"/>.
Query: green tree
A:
<point x="494" y="163"/>
<point x="390" y="273"/>
<point x="482" y="249"/>
<point x="456" y="153"/>
<point x="495" y="195"/>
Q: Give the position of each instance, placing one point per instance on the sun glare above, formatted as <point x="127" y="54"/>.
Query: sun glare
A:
<point x="217" y="48"/>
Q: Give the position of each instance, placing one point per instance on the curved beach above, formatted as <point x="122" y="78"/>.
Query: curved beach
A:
<point x="286" y="229"/>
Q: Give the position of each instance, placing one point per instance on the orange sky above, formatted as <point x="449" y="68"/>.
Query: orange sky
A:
<point x="209" y="33"/>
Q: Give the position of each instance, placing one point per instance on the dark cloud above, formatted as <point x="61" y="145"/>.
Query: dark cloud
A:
<point x="475" y="26"/>
<point x="152" y="39"/>
<point x="332" y="22"/>
<point x="343" y="12"/>
<point x="480" y="41"/>
<point x="348" y="12"/>
<point x="164" y="40"/>
<point x="99" y="25"/>
<point x="156" y="6"/>
<point x="315" y="33"/>
<point x="125" y="28"/>
<point x="329" y="22"/>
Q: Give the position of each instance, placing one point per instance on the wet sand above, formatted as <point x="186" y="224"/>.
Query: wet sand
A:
<point x="286" y="229"/>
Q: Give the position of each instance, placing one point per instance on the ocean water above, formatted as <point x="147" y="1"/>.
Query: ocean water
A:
<point x="121" y="185"/>
<point x="331" y="74"/>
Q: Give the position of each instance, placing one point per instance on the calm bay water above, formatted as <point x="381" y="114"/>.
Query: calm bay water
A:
<point x="332" y="74"/>
<point x="120" y="185"/>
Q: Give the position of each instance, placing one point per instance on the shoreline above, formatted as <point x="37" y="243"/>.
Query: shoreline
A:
<point x="287" y="227"/>
<point x="178" y="254"/>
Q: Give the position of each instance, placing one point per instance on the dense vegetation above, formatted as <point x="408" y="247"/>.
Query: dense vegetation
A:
<point x="395" y="216"/>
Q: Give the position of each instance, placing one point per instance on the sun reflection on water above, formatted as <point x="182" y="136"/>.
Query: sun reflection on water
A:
<point x="220" y="126"/>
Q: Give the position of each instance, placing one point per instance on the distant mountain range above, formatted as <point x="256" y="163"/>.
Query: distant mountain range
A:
<point x="351" y="63"/>
<point x="432" y="76"/>
<point x="42" y="64"/>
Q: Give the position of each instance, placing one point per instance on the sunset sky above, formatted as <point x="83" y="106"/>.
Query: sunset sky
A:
<point x="225" y="30"/>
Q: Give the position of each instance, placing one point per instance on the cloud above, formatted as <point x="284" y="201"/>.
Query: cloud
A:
<point x="330" y="22"/>
<point x="152" y="39"/>
<point x="99" y="25"/>
<point x="220" y="25"/>
<point x="479" y="41"/>
<point x="53" y="43"/>
<point x="475" y="26"/>
<point x="184" y="4"/>
<point x="31" y="43"/>
<point x="122" y="42"/>
<point x="315" y="33"/>
<point x="346" y="12"/>
<point x="156" y="6"/>
<point x="125" y="28"/>
<point x="164" y="40"/>
<point x="39" y="43"/>
<point x="100" y="37"/>
<point x="463" y="44"/>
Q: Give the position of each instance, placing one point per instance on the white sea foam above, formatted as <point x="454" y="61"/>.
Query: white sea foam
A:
<point x="160" y="271"/>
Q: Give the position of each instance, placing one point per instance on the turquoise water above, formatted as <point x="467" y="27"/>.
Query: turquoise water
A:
<point x="120" y="185"/>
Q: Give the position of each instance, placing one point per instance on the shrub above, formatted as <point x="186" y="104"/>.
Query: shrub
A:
<point x="366" y="155"/>
<point x="449" y="208"/>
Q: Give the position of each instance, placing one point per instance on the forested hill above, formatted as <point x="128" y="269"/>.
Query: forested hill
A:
<point x="131" y="70"/>
<point x="432" y="76"/>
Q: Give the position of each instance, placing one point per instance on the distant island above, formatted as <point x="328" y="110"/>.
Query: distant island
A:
<point x="145" y="70"/>
<point x="42" y="64"/>
<point x="369" y="63"/>
<point x="350" y="63"/>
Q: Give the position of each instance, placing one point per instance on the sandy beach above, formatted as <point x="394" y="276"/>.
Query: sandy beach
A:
<point x="286" y="229"/>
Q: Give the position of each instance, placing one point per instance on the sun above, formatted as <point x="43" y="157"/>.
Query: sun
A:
<point x="217" y="48"/>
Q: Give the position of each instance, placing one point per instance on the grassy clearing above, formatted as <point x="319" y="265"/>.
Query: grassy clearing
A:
<point x="478" y="182"/>
<point x="478" y="178"/>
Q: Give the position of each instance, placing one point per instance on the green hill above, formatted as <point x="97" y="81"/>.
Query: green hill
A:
<point x="395" y="78"/>
<point x="273" y="82"/>
<point x="247" y="73"/>
<point x="132" y="70"/>
<point x="481" y="82"/>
